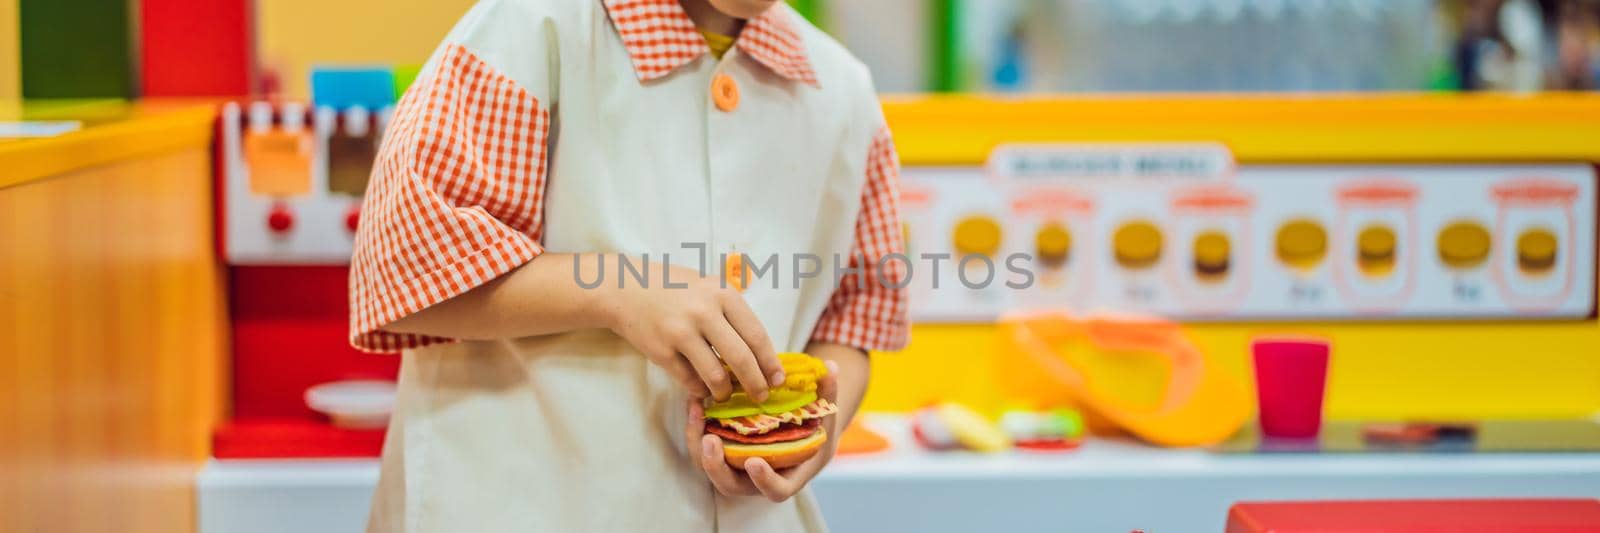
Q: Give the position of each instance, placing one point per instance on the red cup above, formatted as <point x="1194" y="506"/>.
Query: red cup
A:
<point x="1291" y="375"/>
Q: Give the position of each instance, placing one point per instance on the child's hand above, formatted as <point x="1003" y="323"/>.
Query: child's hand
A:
<point x="758" y="477"/>
<point x="692" y="331"/>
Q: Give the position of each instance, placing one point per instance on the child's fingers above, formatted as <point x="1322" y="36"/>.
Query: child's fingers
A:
<point x="697" y="417"/>
<point x="744" y="321"/>
<point x="683" y="373"/>
<point x="717" y="470"/>
<point x="779" y="486"/>
<point x="694" y="429"/>
<point x="766" y="480"/>
<point x="738" y="357"/>
<point x="707" y="365"/>
<point x="828" y="386"/>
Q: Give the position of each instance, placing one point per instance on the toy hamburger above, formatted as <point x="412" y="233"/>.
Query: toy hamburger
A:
<point x="1043" y="431"/>
<point x="785" y="430"/>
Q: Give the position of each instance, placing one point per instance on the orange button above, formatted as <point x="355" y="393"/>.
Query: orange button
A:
<point x="725" y="92"/>
<point x="734" y="272"/>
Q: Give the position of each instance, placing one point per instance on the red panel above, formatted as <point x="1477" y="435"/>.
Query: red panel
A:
<point x="191" y="48"/>
<point x="1417" y="516"/>
<point x="289" y="333"/>
<point x="290" y="438"/>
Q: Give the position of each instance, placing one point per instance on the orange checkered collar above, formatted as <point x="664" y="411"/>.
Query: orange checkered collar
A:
<point x="660" y="38"/>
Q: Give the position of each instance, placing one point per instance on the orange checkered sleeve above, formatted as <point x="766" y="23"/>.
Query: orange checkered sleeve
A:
<point x="868" y="310"/>
<point x="456" y="197"/>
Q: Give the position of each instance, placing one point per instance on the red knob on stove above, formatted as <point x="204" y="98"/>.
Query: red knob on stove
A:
<point x="280" y="219"/>
<point x="352" y="219"/>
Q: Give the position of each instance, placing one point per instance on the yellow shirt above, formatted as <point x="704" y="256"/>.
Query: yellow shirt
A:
<point x="719" y="43"/>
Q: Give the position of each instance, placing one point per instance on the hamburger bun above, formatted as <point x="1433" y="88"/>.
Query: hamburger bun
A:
<point x="778" y="454"/>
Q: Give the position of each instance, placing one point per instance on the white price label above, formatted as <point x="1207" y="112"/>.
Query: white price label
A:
<point x="1073" y="162"/>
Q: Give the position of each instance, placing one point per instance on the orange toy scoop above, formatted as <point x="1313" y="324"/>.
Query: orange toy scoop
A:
<point x="858" y="439"/>
<point x="1198" y="405"/>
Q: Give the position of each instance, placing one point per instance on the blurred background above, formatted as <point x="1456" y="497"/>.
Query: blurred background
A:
<point x="1012" y="46"/>
<point x="1302" y="250"/>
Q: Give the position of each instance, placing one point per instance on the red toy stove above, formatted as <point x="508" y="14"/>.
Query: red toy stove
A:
<point x="286" y="219"/>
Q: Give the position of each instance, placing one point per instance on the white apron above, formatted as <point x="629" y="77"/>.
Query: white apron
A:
<point x="578" y="431"/>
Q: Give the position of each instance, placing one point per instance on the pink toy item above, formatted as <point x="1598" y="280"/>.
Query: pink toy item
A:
<point x="1291" y="375"/>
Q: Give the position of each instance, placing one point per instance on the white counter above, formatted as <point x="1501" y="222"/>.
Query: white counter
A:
<point x="1104" y="486"/>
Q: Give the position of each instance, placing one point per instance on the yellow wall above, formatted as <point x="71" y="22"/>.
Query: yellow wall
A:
<point x="10" y="51"/>
<point x="1379" y="369"/>
<point x="293" y="35"/>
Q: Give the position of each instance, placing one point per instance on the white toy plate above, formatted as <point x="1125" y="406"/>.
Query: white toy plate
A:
<point x="356" y="404"/>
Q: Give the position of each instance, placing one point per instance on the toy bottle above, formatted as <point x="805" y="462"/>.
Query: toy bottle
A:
<point x="351" y="151"/>
<point x="278" y="157"/>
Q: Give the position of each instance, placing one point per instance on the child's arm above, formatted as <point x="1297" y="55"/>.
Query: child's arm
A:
<point x="450" y="241"/>
<point x="675" y="327"/>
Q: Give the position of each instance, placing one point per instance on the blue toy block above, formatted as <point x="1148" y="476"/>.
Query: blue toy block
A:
<point x="344" y="87"/>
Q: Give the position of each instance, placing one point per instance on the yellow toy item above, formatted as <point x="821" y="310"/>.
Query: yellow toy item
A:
<point x="951" y="425"/>
<point x="1048" y="357"/>
<point x="801" y="372"/>
<point x="972" y="430"/>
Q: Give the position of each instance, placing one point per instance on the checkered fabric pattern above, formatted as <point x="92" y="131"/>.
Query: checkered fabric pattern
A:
<point x="456" y="197"/>
<point x="660" y="37"/>
<point x="773" y="41"/>
<point x="866" y="311"/>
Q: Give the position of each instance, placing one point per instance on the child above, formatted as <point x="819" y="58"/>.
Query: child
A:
<point x="546" y="141"/>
